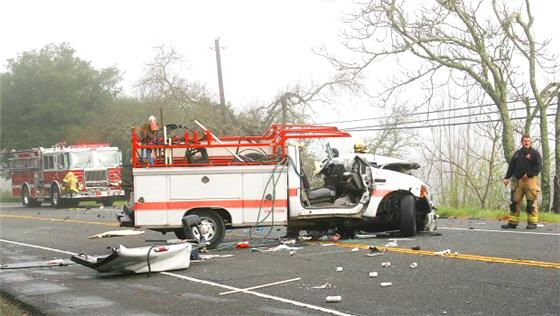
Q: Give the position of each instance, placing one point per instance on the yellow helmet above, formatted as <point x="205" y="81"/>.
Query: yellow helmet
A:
<point x="360" y="148"/>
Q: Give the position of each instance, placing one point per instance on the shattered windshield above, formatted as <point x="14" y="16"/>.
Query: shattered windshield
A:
<point x="94" y="159"/>
<point x="107" y="158"/>
<point x="80" y="160"/>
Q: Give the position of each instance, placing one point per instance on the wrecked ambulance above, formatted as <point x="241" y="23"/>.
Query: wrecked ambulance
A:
<point x="248" y="181"/>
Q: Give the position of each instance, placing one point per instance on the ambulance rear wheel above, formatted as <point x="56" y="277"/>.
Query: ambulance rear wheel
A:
<point x="56" y="199"/>
<point x="212" y="226"/>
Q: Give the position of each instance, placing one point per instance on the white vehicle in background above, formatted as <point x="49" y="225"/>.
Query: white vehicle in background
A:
<point x="248" y="181"/>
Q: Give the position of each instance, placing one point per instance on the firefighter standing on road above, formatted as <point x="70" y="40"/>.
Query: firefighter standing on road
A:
<point x="525" y="165"/>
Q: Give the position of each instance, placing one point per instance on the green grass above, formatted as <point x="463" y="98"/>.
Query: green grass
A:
<point x="6" y="196"/>
<point x="492" y="214"/>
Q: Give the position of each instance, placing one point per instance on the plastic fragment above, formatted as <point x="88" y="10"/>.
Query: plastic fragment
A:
<point x="242" y="244"/>
<point x="385" y="264"/>
<point x="355" y="249"/>
<point x="328" y="245"/>
<point x="289" y="242"/>
<point x="385" y="284"/>
<point x="373" y="275"/>
<point x="324" y="286"/>
<point x="445" y="252"/>
<point x="339" y="269"/>
<point x="540" y="225"/>
<point x="333" y="299"/>
<point x="392" y="244"/>
<point x="293" y="252"/>
<point x="413" y="265"/>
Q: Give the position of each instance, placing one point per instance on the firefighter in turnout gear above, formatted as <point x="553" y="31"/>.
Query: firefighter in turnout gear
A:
<point x="525" y="166"/>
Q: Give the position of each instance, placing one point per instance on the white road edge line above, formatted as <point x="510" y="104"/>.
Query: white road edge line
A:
<point x="227" y="287"/>
<point x="38" y="247"/>
<point x="497" y="231"/>
<point x="274" y="298"/>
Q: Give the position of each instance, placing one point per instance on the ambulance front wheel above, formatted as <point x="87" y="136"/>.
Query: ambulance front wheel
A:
<point x="212" y="227"/>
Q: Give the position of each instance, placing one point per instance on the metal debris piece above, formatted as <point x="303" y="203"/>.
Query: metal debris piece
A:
<point x="333" y="299"/>
<point x="324" y="286"/>
<point x="385" y="284"/>
<point x="282" y="248"/>
<point x="37" y="264"/>
<point x="288" y="242"/>
<point x="206" y="257"/>
<point x="445" y="252"/>
<point x="117" y="233"/>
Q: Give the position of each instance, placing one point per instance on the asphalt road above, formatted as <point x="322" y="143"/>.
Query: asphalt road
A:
<point x="494" y="272"/>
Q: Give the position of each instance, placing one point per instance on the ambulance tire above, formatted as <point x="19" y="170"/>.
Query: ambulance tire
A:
<point x="56" y="198"/>
<point x="217" y="226"/>
<point x="407" y="216"/>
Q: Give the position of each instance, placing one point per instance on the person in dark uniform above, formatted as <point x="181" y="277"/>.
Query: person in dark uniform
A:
<point x="525" y="166"/>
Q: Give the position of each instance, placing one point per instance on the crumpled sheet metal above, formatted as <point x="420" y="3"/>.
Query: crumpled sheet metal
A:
<point x="139" y="260"/>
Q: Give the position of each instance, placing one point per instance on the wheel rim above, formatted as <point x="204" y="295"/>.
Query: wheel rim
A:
<point x="206" y="224"/>
<point x="25" y="197"/>
<point x="55" y="198"/>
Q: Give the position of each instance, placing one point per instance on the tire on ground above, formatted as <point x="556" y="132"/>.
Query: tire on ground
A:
<point x="407" y="218"/>
<point x="217" y="226"/>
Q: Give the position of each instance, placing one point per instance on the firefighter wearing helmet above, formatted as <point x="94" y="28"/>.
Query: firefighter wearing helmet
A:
<point x="360" y="148"/>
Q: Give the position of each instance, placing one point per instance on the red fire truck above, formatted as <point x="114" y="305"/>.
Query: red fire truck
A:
<point x="66" y="175"/>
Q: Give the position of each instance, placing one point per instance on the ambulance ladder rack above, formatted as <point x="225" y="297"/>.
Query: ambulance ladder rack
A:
<point x="201" y="149"/>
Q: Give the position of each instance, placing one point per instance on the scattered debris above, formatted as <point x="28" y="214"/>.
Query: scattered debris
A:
<point x="117" y="233"/>
<point x="335" y="237"/>
<point x="207" y="257"/>
<point x="445" y="252"/>
<point x="304" y="238"/>
<point x="293" y="252"/>
<point x="355" y="249"/>
<point x="288" y="242"/>
<point x="415" y="248"/>
<point x="385" y="284"/>
<point x="328" y="245"/>
<point x="339" y="269"/>
<point x="366" y="236"/>
<point x="282" y="248"/>
<point x="392" y="244"/>
<point x="242" y="245"/>
<point x="333" y="299"/>
<point x="374" y="251"/>
<point x="413" y="265"/>
<point x="373" y="275"/>
<point x="260" y="286"/>
<point x="540" y="225"/>
<point x="385" y="264"/>
<point x="324" y="286"/>
<point x="36" y="264"/>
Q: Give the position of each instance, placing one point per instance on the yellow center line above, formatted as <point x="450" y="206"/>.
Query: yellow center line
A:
<point x="533" y="263"/>
<point x="62" y="220"/>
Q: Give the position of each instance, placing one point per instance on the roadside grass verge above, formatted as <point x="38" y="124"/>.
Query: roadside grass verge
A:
<point x="493" y="214"/>
<point x="6" y="196"/>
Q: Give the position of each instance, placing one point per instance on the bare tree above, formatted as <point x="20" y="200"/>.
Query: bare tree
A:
<point x="556" y="200"/>
<point x="519" y="31"/>
<point x="392" y="141"/>
<point x="163" y="80"/>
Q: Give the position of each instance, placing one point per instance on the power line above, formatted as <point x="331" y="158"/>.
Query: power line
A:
<point x="432" y="126"/>
<point x="421" y="113"/>
<point x="440" y="118"/>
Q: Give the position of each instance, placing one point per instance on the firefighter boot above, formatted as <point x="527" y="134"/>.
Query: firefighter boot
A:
<point x="531" y="215"/>
<point x="513" y="217"/>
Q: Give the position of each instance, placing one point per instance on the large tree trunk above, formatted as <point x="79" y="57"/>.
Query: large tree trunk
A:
<point x="545" y="175"/>
<point x="556" y="204"/>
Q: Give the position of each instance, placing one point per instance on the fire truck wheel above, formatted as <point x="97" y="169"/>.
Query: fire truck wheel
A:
<point x="26" y="198"/>
<point x="407" y="216"/>
<point x="213" y="224"/>
<point x="56" y="199"/>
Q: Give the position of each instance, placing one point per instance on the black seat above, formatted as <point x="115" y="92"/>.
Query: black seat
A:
<point x="324" y="194"/>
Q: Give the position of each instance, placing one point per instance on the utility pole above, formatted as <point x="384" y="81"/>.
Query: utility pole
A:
<point x="220" y="81"/>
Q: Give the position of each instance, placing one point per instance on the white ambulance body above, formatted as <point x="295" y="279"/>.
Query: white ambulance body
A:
<point x="260" y="181"/>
